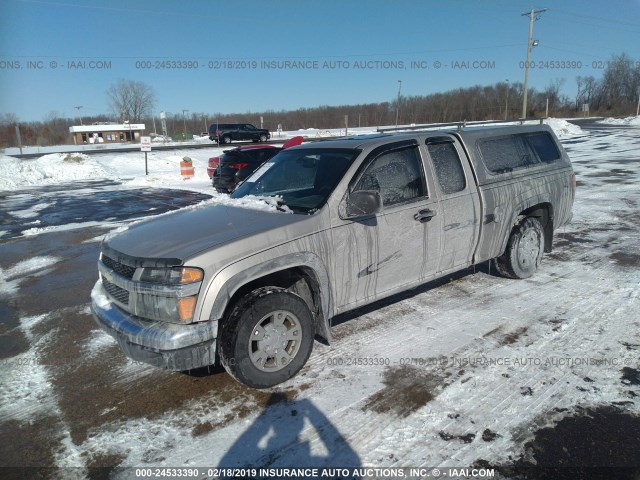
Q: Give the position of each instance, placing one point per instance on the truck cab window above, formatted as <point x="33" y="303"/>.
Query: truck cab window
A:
<point x="397" y="175"/>
<point x="446" y="163"/>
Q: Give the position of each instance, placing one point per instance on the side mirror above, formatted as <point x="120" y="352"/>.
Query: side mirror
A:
<point x="363" y="203"/>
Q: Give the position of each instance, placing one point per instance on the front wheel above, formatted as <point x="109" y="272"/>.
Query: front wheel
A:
<point x="267" y="338"/>
<point x="524" y="250"/>
<point x="263" y="138"/>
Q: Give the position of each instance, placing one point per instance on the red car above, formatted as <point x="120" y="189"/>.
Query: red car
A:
<point x="223" y="169"/>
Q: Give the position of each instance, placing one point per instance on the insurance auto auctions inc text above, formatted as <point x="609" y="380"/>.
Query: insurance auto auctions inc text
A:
<point x="369" y="472"/>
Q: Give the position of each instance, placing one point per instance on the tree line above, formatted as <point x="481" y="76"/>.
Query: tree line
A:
<point x="615" y="93"/>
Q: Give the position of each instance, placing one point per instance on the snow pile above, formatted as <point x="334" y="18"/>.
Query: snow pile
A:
<point x="128" y="168"/>
<point x="633" y="121"/>
<point x="201" y="138"/>
<point x="164" y="170"/>
<point x="48" y="169"/>
<point x="562" y="128"/>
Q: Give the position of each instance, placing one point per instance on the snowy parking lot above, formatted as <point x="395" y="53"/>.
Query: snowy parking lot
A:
<point x="471" y="371"/>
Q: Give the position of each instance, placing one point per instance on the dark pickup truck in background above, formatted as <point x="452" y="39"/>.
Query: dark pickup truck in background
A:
<point x="357" y="220"/>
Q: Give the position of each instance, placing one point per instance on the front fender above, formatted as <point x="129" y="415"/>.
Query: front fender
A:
<point x="230" y="279"/>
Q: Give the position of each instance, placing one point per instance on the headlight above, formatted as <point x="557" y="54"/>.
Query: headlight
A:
<point x="167" y="294"/>
<point x="171" y="276"/>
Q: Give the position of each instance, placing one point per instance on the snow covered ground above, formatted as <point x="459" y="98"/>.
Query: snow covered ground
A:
<point x="464" y="371"/>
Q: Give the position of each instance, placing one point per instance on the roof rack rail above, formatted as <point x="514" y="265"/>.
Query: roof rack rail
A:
<point x="460" y="125"/>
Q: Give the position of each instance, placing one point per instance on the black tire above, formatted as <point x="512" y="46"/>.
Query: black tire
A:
<point x="524" y="251"/>
<point x="226" y="139"/>
<point x="258" y="313"/>
<point x="222" y="190"/>
<point x="263" y="138"/>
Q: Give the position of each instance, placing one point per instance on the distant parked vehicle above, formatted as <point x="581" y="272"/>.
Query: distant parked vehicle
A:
<point x="228" y="132"/>
<point x="236" y="164"/>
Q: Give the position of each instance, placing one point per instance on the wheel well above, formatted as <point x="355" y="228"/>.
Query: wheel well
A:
<point x="299" y="280"/>
<point x="544" y="213"/>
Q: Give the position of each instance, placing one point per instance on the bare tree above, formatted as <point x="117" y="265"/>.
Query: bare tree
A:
<point x="131" y="100"/>
<point x="620" y="82"/>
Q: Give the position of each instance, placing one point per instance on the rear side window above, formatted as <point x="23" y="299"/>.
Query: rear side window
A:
<point x="397" y="175"/>
<point x="510" y="152"/>
<point x="544" y="146"/>
<point x="447" y="166"/>
<point x="506" y="153"/>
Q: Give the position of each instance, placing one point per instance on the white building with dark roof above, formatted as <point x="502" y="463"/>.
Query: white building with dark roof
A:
<point x="107" y="133"/>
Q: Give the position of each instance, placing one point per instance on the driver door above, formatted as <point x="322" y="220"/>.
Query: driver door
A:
<point x="398" y="247"/>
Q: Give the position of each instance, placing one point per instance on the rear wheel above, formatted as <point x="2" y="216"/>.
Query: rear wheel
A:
<point x="267" y="338"/>
<point x="226" y="139"/>
<point x="524" y="251"/>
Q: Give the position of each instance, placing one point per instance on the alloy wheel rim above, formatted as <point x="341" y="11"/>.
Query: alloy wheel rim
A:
<point x="275" y="341"/>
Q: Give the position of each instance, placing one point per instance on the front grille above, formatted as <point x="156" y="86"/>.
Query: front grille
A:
<point x="120" y="294"/>
<point x="120" y="268"/>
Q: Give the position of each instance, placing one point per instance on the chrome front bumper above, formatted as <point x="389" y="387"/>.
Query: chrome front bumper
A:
<point x="166" y="345"/>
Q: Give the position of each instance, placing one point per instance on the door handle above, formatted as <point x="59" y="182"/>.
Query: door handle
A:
<point x="424" y="215"/>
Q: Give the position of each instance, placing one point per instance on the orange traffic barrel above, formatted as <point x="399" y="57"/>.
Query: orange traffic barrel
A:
<point x="186" y="168"/>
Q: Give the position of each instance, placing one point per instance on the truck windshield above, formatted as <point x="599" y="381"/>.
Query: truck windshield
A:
<point x="304" y="179"/>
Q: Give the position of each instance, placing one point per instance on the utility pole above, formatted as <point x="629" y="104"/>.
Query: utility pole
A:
<point x="78" y="108"/>
<point x="184" y="120"/>
<point x="19" y="137"/>
<point x="533" y="15"/>
<point x="506" y="102"/>
<point x="398" y="103"/>
<point x="546" y="111"/>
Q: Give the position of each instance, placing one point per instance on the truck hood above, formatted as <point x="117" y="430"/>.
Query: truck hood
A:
<point x="171" y="239"/>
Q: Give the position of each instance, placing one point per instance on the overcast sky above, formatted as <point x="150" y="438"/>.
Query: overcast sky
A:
<point x="254" y="55"/>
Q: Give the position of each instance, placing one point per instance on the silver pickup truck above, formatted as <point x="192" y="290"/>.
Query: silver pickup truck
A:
<point x="353" y="221"/>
